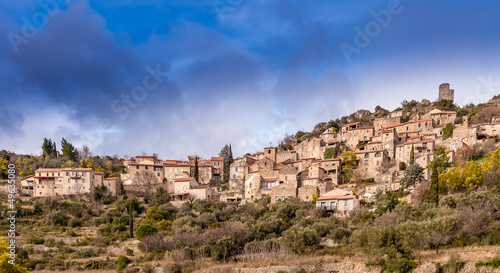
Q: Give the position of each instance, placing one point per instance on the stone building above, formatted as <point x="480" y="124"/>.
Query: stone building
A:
<point x="59" y="182"/>
<point x="329" y="135"/>
<point x="338" y="202"/>
<point x="217" y="164"/>
<point x="306" y="193"/>
<point x="445" y="93"/>
<point x="351" y="135"/>
<point x="284" y="155"/>
<point x="288" y="175"/>
<point x="188" y="189"/>
<point x="441" y="118"/>
<point x="370" y="161"/>
<point x="311" y="148"/>
<point x="282" y="191"/>
<point x="264" y="167"/>
<point x="332" y="169"/>
<point x="421" y="147"/>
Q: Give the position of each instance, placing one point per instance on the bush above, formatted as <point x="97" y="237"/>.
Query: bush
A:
<point x="122" y="262"/>
<point x="301" y="240"/>
<point x="402" y="166"/>
<point x="224" y="249"/>
<point x="74" y="222"/>
<point x="145" y="230"/>
<point x="494" y="263"/>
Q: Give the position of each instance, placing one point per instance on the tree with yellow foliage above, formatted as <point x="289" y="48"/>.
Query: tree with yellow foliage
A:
<point x="462" y="177"/>
<point x="349" y="163"/>
<point x="6" y="265"/>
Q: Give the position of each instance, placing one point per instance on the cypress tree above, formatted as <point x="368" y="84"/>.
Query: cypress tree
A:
<point x="196" y="171"/>
<point x="412" y="155"/>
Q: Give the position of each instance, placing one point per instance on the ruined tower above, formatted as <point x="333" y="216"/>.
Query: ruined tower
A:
<point x="445" y="93"/>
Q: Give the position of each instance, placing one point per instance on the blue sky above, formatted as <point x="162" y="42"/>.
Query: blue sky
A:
<point x="186" y="77"/>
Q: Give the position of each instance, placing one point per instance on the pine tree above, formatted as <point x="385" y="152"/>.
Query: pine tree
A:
<point x="69" y="150"/>
<point x="435" y="181"/>
<point x="48" y="147"/>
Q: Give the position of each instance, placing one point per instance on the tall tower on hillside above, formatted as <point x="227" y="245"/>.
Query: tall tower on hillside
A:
<point x="445" y="93"/>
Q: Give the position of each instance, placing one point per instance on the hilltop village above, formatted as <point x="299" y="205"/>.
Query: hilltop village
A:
<point x="322" y="169"/>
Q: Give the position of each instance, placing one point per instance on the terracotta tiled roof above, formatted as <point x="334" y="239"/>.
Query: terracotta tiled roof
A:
<point x="267" y="179"/>
<point x="199" y="187"/>
<point x="145" y="156"/>
<point x="341" y="197"/>
<point x="183" y="179"/>
<point x="220" y="158"/>
<point x="350" y="124"/>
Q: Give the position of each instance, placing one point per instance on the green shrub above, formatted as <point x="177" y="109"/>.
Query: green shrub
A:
<point x="122" y="262"/>
<point x="301" y="240"/>
<point x="145" y="230"/>
<point x="91" y="265"/>
<point x="494" y="263"/>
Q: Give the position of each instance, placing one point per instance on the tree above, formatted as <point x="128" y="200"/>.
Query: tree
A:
<point x="330" y="152"/>
<point x="144" y="231"/>
<point x="448" y="130"/>
<point x="227" y="153"/>
<point x="349" y="163"/>
<point x="84" y="152"/>
<point x="412" y="155"/>
<point x="414" y="173"/>
<point x="145" y="179"/>
<point x="69" y="150"/>
<point x="463" y="177"/>
<point x="49" y="148"/>
<point x="402" y="166"/>
<point x="5" y="264"/>
<point x="196" y="172"/>
<point x="438" y="165"/>
<point x="132" y="205"/>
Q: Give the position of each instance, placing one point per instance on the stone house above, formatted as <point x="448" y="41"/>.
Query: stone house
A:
<point x="306" y="193"/>
<point x="264" y="167"/>
<point x="175" y="169"/>
<point x="370" y="161"/>
<point x="311" y="148"/>
<point x="284" y="155"/>
<point x="187" y="189"/>
<point x="332" y="169"/>
<point x="441" y="118"/>
<point x="329" y="135"/>
<point x="421" y="147"/>
<point x="59" y="182"/>
<point x="338" y="202"/>
<point x="354" y="135"/>
<point x="282" y="191"/>
<point x="146" y="165"/>
<point x="288" y="175"/>
<point x="217" y="164"/>
<point x="466" y="134"/>
<point x="27" y="183"/>
<point x="380" y="123"/>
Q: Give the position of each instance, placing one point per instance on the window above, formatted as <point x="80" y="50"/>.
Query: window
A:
<point x="83" y="180"/>
<point x="236" y="169"/>
<point x="136" y="167"/>
<point x="178" y="188"/>
<point x="185" y="188"/>
<point x="307" y="190"/>
<point x="283" y="190"/>
<point x="378" y="154"/>
<point x="146" y="167"/>
<point x="277" y="198"/>
<point x="234" y="176"/>
<point x="198" y="196"/>
<point x="366" y="162"/>
<point x="250" y="185"/>
<point x="345" y="203"/>
<point x="367" y="155"/>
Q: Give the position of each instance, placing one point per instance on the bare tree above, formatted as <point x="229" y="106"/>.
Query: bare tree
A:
<point x="145" y="180"/>
<point x="85" y="152"/>
<point x="78" y="189"/>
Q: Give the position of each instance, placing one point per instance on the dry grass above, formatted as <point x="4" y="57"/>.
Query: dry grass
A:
<point x="468" y="254"/>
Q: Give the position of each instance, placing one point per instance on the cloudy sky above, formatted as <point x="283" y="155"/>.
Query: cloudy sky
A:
<point x="186" y="77"/>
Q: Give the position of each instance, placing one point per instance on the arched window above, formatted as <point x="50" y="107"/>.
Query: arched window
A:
<point x="378" y="154"/>
<point x="367" y="155"/>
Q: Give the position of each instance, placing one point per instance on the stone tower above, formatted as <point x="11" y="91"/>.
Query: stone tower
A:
<point x="270" y="153"/>
<point x="445" y="93"/>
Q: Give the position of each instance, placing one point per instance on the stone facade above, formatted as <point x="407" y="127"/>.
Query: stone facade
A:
<point x="60" y="182"/>
<point x="282" y="191"/>
<point x="445" y="93"/>
<point x="306" y="193"/>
